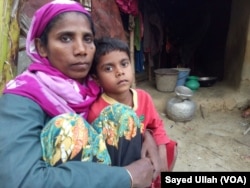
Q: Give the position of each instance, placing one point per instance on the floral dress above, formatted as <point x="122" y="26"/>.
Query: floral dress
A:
<point x="114" y="138"/>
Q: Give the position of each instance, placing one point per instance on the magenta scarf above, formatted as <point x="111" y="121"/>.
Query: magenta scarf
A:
<point x="52" y="90"/>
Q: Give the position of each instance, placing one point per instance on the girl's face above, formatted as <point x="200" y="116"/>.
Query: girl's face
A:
<point x="114" y="73"/>
<point x="70" y="46"/>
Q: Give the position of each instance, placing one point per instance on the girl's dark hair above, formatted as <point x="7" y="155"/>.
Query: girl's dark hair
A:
<point x="106" y="45"/>
<point x="44" y="36"/>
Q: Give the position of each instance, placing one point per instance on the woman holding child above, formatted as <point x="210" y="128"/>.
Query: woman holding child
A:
<point x="56" y="91"/>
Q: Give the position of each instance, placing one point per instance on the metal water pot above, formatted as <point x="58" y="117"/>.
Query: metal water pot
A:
<point x="181" y="108"/>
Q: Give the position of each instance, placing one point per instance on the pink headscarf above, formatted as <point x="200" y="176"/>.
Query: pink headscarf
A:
<point x="47" y="86"/>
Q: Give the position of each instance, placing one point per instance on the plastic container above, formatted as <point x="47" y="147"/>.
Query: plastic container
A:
<point x="182" y="76"/>
<point x="192" y="83"/>
<point x="166" y="79"/>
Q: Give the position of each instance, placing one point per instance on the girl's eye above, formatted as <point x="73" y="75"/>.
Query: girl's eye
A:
<point x="125" y="63"/>
<point x="108" y="68"/>
<point x="65" y="38"/>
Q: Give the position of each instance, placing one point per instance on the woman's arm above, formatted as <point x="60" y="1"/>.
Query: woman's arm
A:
<point x="21" y="122"/>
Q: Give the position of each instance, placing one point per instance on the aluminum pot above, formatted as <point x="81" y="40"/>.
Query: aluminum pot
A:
<point x="181" y="108"/>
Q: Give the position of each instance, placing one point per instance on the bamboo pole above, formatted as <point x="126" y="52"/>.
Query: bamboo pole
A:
<point x="131" y="46"/>
<point x="9" y="40"/>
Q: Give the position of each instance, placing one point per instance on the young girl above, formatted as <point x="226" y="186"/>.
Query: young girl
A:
<point x="112" y="70"/>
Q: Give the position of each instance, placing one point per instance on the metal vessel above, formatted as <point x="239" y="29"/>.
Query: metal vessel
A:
<point x="181" y="108"/>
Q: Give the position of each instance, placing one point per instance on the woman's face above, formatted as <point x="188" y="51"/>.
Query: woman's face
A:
<point x="70" y="46"/>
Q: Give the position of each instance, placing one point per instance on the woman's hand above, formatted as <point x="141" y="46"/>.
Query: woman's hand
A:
<point x="149" y="149"/>
<point x="141" y="172"/>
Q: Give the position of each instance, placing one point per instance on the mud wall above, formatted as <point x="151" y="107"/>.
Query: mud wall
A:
<point x="237" y="54"/>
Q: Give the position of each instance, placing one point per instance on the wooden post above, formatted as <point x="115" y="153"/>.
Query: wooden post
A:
<point x="131" y="46"/>
<point x="9" y="40"/>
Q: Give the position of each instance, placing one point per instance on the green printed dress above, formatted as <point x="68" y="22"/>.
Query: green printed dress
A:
<point x="114" y="138"/>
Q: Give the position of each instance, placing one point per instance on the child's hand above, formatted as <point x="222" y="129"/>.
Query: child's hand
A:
<point x="163" y="158"/>
<point x="149" y="149"/>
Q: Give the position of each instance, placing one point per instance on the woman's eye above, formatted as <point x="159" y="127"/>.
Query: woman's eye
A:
<point x="65" y="38"/>
<point x="89" y="39"/>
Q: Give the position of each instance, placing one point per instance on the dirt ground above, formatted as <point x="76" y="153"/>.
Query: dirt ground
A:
<point x="214" y="139"/>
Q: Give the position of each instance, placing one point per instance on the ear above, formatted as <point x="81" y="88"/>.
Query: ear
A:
<point x="41" y="49"/>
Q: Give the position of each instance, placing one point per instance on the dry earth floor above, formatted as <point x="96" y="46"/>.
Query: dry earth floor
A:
<point x="214" y="139"/>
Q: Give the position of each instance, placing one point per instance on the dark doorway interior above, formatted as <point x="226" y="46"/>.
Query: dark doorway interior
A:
<point x="197" y="33"/>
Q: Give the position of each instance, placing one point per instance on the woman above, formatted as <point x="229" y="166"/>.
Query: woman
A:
<point x="60" y="44"/>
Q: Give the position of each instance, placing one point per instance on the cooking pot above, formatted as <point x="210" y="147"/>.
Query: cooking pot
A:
<point x="181" y="108"/>
<point x="207" y="81"/>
